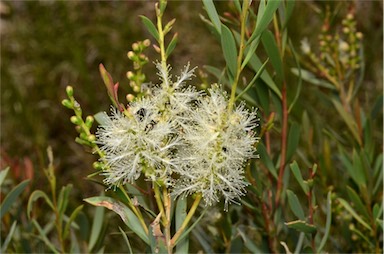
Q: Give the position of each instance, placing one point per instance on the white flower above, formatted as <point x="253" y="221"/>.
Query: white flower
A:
<point x="139" y="142"/>
<point x="218" y="145"/>
<point x="146" y="138"/>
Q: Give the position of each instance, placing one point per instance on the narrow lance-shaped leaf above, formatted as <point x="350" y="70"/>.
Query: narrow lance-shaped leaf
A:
<point x="8" y="239"/>
<point x="358" y="203"/>
<point x="348" y="207"/>
<point x="297" y="174"/>
<point x="71" y="219"/>
<point x="327" y="223"/>
<point x="301" y="226"/>
<point x="35" y="196"/>
<point x="97" y="225"/>
<point x="171" y="45"/>
<point x="295" y="206"/>
<point x="273" y="53"/>
<point x="128" y="217"/>
<point x="229" y="49"/>
<point x="126" y="240"/>
<point x="150" y="27"/>
<point x="11" y="197"/>
<point x="212" y="14"/>
<point x="3" y="174"/>
<point x="253" y="81"/>
<point x="293" y="140"/>
<point x="265" y="16"/>
<point x="111" y="87"/>
<point x="181" y="214"/>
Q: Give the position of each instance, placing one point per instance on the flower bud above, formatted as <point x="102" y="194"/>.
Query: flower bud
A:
<point x="146" y="42"/>
<point x="130" y="75"/>
<point x="359" y="35"/>
<point x="89" y="121"/>
<point x="136" y="88"/>
<point x="67" y="103"/>
<point x="135" y="46"/>
<point x="69" y="90"/>
<point x="75" y="120"/>
<point x="130" y="97"/>
<point x="130" y="55"/>
<point x="91" y="138"/>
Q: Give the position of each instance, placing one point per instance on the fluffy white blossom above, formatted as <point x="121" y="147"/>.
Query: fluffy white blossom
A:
<point x="145" y="139"/>
<point x="218" y="145"/>
<point x="189" y="141"/>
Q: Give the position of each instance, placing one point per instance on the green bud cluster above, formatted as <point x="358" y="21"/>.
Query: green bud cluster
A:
<point x="137" y="77"/>
<point x="83" y="127"/>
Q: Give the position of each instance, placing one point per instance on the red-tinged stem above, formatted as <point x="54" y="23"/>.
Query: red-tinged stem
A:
<point x="284" y="132"/>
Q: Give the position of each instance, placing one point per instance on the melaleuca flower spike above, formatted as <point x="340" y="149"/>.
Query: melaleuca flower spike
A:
<point x="218" y="145"/>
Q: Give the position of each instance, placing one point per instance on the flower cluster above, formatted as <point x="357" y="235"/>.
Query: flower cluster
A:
<point x="186" y="140"/>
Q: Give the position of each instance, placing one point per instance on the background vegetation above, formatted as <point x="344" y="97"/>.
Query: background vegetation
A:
<point x="47" y="45"/>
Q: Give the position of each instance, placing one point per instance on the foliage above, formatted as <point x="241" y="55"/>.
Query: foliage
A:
<point x="317" y="186"/>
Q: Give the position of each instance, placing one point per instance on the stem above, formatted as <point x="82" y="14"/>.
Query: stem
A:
<point x="241" y="53"/>
<point x="159" y="15"/>
<point x="167" y="205"/>
<point x="136" y="211"/>
<point x="284" y="132"/>
<point x="58" y="222"/>
<point x="187" y="219"/>
<point x="159" y="202"/>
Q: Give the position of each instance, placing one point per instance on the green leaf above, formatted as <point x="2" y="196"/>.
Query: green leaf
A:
<point x="44" y="237"/>
<point x="3" y="174"/>
<point x="171" y="45"/>
<point x="293" y="140"/>
<point x="181" y="214"/>
<point x="97" y="225"/>
<point x="35" y="196"/>
<point x="273" y="53"/>
<point x="212" y="14"/>
<point x="300" y="81"/>
<point x="126" y="214"/>
<point x="219" y="74"/>
<point x="377" y="210"/>
<point x="301" y="226"/>
<point x="8" y="239"/>
<point x="354" y="197"/>
<point x="358" y="173"/>
<point x="289" y="5"/>
<point x="126" y="240"/>
<point x="264" y="17"/>
<point x="327" y="223"/>
<point x="255" y="64"/>
<point x="250" y="51"/>
<point x="296" y="172"/>
<point x="11" y="197"/>
<point x="71" y="219"/>
<point x="186" y="232"/>
<point x="264" y="157"/>
<point x="63" y="199"/>
<point x="353" y="213"/>
<point x="295" y="206"/>
<point x="311" y="78"/>
<point x="229" y="49"/>
<point x="299" y="244"/>
<point x="248" y="243"/>
<point x="150" y="27"/>
<point x="253" y="81"/>
<point x="157" y="242"/>
<point x="348" y="119"/>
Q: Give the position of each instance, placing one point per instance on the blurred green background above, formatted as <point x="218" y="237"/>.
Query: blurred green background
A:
<point x="47" y="45"/>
